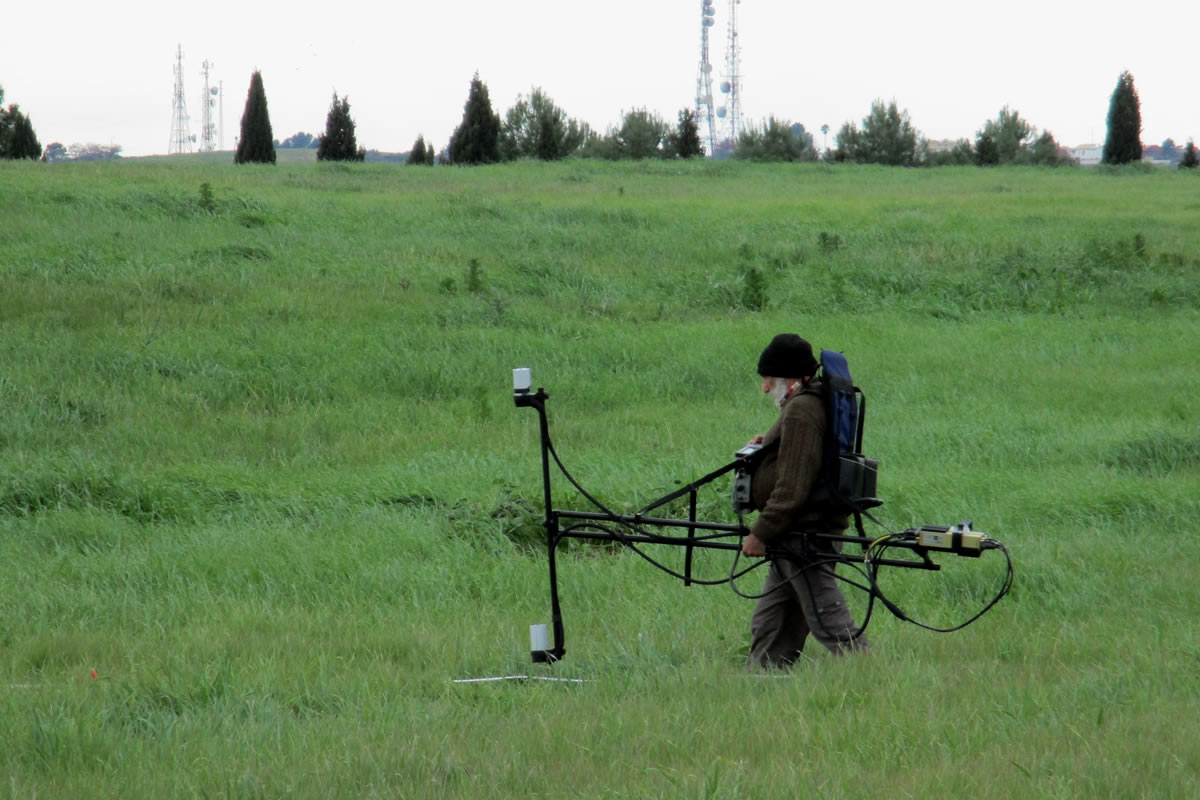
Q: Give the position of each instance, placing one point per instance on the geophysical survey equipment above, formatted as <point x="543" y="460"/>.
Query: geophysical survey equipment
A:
<point x="849" y="476"/>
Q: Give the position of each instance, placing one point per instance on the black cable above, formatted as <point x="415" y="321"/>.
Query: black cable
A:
<point x="1005" y="586"/>
<point x="614" y="517"/>
<point x="832" y="561"/>
<point x="620" y="537"/>
<point x="870" y="573"/>
<point x="774" y="589"/>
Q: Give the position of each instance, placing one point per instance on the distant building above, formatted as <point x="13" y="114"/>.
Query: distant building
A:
<point x="1157" y="155"/>
<point x="1088" y="155"/>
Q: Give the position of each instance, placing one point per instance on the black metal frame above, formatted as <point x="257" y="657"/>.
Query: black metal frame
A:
<point x="556" y="533"/>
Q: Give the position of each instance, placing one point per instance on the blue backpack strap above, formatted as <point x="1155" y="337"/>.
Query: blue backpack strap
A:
<point x="845" y="415"/>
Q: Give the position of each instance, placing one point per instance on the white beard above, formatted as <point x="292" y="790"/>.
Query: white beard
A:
<point x="779" y="392"/>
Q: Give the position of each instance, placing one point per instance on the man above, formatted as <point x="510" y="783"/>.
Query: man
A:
<point x="801" y="595"/>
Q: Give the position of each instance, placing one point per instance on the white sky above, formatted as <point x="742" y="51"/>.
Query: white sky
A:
<point x="96" y="72"/>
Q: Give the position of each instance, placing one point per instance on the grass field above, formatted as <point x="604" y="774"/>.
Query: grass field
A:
<point x="260" y="471"/>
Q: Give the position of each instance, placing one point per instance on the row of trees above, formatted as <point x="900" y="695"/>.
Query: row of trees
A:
<point x="887" y="136"/>
<point x="57" y="151"/>
<point x="256" y="145"/>
<point x="297" y="141"/>
<point x="536" y="127"/>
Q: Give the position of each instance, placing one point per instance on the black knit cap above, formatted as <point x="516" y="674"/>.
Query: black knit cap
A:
<point x="787" y="356"/>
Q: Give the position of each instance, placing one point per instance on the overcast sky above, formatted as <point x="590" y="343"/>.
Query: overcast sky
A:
<point x="96" y="72"/>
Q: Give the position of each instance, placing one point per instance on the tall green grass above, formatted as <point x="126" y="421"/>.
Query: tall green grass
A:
<point x="259" y="469"/>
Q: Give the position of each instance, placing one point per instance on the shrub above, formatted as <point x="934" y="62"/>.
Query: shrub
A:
<point x="776" y="140"/>
<point x="887" y="137"/>
<point x="537" y="128"/>
<point x="642" y="135"/>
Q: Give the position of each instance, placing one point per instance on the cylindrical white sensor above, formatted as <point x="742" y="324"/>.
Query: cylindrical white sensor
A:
<point x="521" y="379"/>
<point x="538" y="639"/>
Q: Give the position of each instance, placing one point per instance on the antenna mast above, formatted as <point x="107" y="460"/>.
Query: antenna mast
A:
<point x="705" y="118"/>
<point x="208" y="101"/>
<point x="221" y="110"/>
<point x="181" y="139"/>
<point x="731" y="112"/>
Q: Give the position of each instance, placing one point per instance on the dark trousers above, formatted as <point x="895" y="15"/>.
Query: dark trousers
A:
<point x="799" y="601"/>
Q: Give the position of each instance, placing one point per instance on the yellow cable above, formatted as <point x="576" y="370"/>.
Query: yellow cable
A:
<point x="871" y="546"/>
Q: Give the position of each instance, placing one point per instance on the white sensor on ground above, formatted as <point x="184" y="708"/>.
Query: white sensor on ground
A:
<point x="538" y="638"/>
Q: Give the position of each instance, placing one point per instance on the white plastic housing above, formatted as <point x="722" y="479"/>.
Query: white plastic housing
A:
<point x="538" y="638"/>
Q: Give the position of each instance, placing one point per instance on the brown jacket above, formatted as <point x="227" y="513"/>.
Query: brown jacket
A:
<point x="788" y="474"/>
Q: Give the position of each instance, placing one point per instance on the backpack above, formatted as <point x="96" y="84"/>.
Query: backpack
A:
<point x="848" y="478"/>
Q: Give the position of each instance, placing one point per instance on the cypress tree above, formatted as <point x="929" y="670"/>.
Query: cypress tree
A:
<point x="5" y="127"/>
<point x="255" y="145"/>
<point x="476" y="140"/>
<point x="987" y="153"/>
<point x="1189" y="160"/>
<point x="17" y="139"/>
<point x="338" y="142"/>
<point x="23" y="142"/>
<point x="417" y="154"/>
<point x="548" y="138"/>
<point x="686" y="138"/>
<point x="1124" y="141"/>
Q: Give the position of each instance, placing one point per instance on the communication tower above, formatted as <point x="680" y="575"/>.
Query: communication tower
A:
<point x="731" y="112"/>
<point x="221" y="116"/>
<point x="705" y="117"/>
<point x="208" y="129"/>
<point x="181" y="138"/>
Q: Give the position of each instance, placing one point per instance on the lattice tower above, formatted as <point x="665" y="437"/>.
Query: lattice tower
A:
<point x="705" y="116"/>
<point x="208" y="128"/>
<point x="181" y="138"/>
<point x="731" y="113"/>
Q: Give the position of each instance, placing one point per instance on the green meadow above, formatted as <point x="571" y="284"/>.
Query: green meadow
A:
<point x="264" y="494"/>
